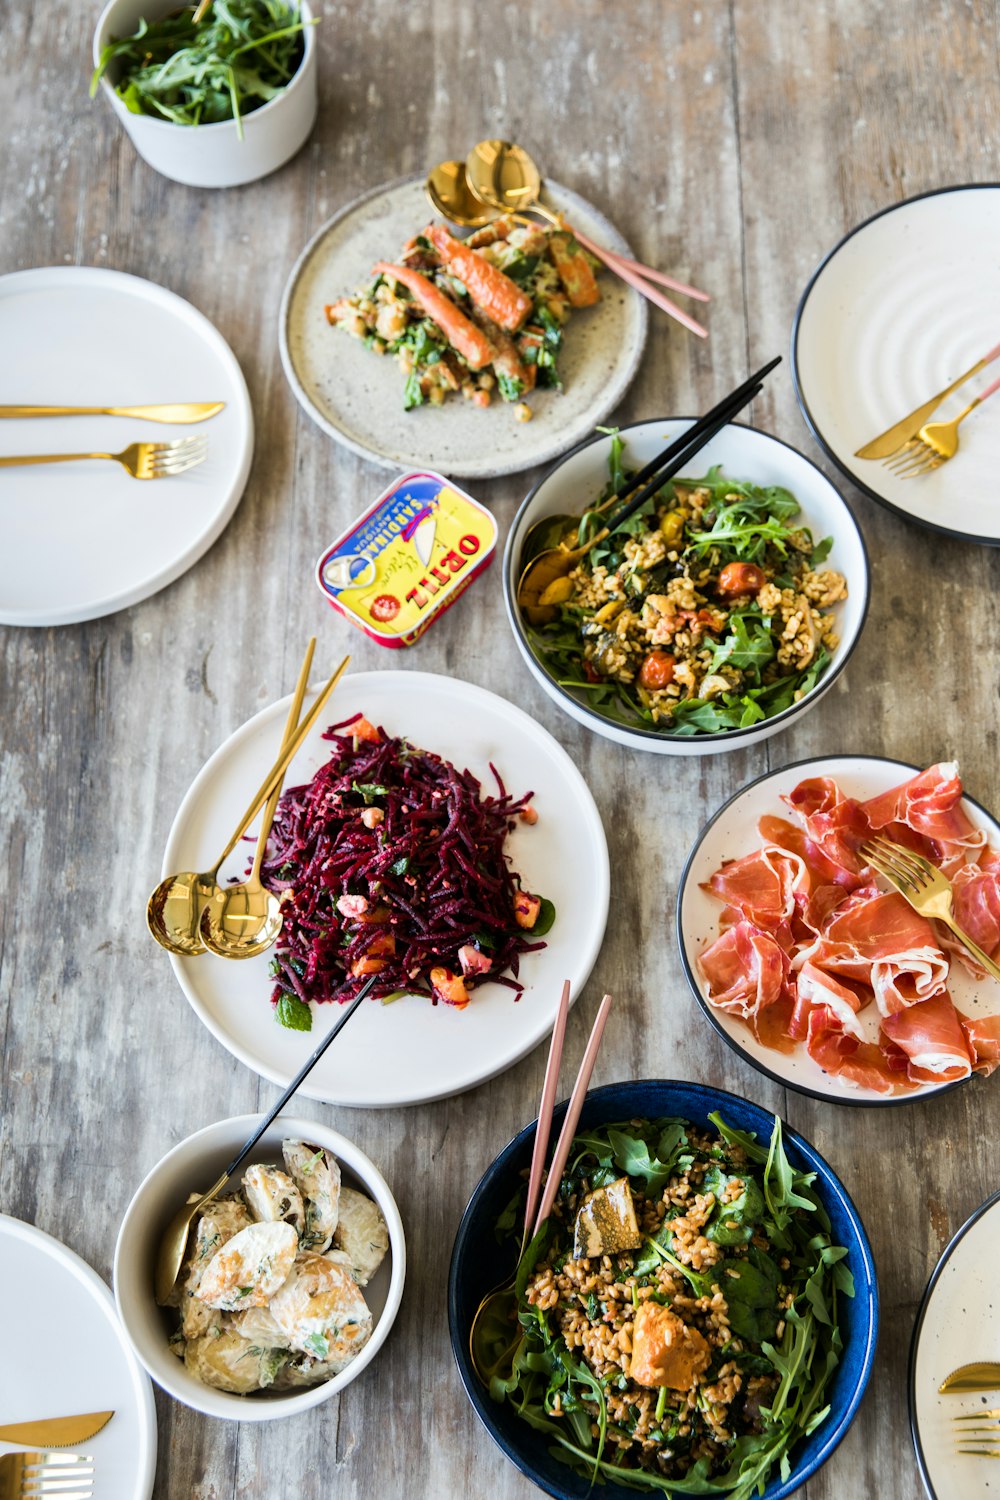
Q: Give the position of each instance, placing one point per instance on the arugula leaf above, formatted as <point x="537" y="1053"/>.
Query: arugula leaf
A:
<point x="412" y="394"/>
<point x="750" y="1288"/>
<point x="292" y="1012"/>
<point x="369" y="790"/>
<point x="544" y="920"/>
<point x="821" y="552"/>
<point x="749" y="644"/>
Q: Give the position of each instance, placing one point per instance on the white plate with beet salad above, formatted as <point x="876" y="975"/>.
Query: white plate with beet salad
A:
<point x="478" y="356"/>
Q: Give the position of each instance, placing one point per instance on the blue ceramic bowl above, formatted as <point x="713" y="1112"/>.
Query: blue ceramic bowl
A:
<point x="478" y="1263"/>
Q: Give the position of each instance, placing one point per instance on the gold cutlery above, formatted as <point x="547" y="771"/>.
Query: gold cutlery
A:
<point x="173" y="1242"/>
<point x="984" y="1376"/>
<point x="185" y="411"/>
<point x="977" y="1427"/>
<point x="889" y="442"/>
<point x="929" y="893"/>
<point x="38" y="1475"/>
<point x="57" y="1432"/>
<point x="173" y="911"/>
<point x="240" y="921"/>
<point x="935" y="443"/>
<point x="142" y="460"/>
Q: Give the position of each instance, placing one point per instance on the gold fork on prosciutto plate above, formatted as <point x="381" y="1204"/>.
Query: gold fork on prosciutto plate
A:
<point x="925" y="888"/>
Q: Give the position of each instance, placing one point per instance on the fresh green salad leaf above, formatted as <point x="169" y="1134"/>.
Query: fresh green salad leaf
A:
<point x="238" y="57"/>
<point x="544" y="920"/>
<point x="292" y="1012"/>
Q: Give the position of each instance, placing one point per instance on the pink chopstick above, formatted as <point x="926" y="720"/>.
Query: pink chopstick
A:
<point x="994" y="386"/>
<point x="636" y="275"/>
<point x="544" y="1127"/>
<point x="572" y="1115"/>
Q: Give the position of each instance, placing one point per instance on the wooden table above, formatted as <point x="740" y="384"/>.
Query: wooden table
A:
<point x="732" y="142"/>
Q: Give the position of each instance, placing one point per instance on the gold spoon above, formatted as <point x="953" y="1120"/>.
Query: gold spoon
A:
<point x="448" y="189"/>
<point x="173" y="911"/>
<point x="240" y="921"/>
<point x="173" y="1243"/>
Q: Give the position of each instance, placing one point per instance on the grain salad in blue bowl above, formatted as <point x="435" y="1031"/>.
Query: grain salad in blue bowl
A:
<point x="698" y="1315"/>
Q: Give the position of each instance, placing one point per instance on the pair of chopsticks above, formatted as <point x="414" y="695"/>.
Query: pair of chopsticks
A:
<point x="677" y="455"/>
<point x="544" y="1126"/>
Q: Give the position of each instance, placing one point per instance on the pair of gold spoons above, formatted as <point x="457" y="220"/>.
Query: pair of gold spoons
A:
<point x="500" y="177"/>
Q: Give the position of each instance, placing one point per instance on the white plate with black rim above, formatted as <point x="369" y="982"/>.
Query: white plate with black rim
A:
<point x="958" y="1324"/>
<point x="898" y="309"/>
<point x="731" y="833"/>
<point x="358" y="398"/>
<point x="84" y="539"/>
<point x="577" y="481"/>
<point x="65" y="1351"/>
<point x="411" y="1051"/>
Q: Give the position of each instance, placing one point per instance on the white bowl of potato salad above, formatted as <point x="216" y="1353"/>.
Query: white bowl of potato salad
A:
<point x="292" y="1278"/>
<point x="717" y="615"/>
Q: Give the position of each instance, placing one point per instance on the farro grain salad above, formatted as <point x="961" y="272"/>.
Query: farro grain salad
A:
<point x="479" y="316"/>
<point x="708" y="610"/>
<point x="678" y="1310"/>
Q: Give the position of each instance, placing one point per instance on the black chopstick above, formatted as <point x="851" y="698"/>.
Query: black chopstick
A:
<point x="656" y="464"/>
<point x="679" y="454"/>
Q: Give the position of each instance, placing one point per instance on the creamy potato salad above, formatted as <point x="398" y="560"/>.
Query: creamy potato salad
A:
<point x="270" y="1291"/>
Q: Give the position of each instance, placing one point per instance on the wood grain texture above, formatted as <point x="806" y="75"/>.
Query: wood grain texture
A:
<point x="733" y="143"/>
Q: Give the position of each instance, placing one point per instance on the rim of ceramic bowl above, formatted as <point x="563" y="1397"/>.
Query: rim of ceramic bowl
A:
<point x="308" y="48"/>
<point x="925" y="1302"/>
<point x="712" y="1098"/>
<point x="889" y="1102"/>
<point x="227" y="1405"/>
<point x="810" y="421"/>
<point x="734" y="737"/>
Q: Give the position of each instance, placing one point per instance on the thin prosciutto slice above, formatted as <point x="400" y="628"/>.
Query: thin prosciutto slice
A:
<point x="744" y="970"/>
<point x="809" y="941"/>
<point x="931" y="805"/>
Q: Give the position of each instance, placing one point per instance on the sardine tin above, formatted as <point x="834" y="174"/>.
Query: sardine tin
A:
<point x="407" y="558"/>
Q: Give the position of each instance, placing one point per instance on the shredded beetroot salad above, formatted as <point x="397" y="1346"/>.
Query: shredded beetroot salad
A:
<point x="396" y="866"/>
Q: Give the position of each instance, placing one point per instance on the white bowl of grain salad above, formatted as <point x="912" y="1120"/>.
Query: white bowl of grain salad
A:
<point x="350" y="1258"/>
<point x="716" y="617"/>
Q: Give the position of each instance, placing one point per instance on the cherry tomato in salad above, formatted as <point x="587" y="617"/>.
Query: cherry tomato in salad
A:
<point x="740" y="578"/>
<point x="656" y="671"/>
<point x="385" y="607"/>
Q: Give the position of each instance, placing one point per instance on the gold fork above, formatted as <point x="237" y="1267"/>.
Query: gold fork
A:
<point x="68" y="1475"/>
<point x="927" y="890"/>
<point x="981" y="1428"/>
<point x="142" y="460"/>
<point x="934" y="444"/>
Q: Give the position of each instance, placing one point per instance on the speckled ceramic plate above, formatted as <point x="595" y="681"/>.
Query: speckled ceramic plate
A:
<point x="358" y="399"/>
<point x="958" y="1323"/>
<point x="904" y="304"/>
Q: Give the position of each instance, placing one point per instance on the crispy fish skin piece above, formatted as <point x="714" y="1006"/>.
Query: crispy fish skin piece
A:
<point x="248" y="1270"/>
<point x="606" y="1222"/>
<point x="321" y="1311"/>
<point x="317" y="1176"/>
<point x="361" y="1234"/>
<point x="273" y="1197"/>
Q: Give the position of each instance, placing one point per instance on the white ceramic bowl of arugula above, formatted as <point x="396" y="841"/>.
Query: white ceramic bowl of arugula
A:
<point x="745" y="454"/>
<point x="222" y="154"/>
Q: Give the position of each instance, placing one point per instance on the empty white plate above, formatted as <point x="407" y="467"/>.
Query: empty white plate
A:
<point x="84" y="539"/>
<point x="65" y="1352"/>
<point x="732" y="833"/>
<point x="897" y="310"/>
<point x="411" y="1051"/>
<point x="958" y="1324"/>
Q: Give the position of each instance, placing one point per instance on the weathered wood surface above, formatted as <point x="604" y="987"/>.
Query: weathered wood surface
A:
<point x="731" y="141"/>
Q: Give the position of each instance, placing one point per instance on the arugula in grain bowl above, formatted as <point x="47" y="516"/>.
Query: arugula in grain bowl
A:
<point x="678" y="1310"/>
<point x="474" y="316"/>
<point x="708" y="610"/>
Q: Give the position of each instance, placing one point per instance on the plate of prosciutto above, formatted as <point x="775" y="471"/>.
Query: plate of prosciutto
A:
<point x="810" y="965"/>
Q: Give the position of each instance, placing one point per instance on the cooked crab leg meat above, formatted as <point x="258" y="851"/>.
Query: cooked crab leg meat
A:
<point x="274" y="1197"/>
<point x="250" y="1268"/>
<point x="317" y="1176"/>
<point x="361" y="1233"/>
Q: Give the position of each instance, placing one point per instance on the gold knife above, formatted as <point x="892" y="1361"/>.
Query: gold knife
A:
<point x="57" y="1432"/>
<point x="889" y="442"/>
<point x="190" y="411"/>
<point x="984" y="1376"/>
